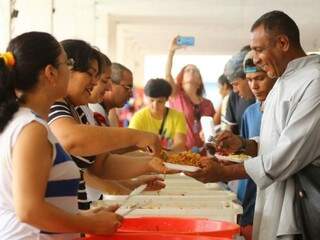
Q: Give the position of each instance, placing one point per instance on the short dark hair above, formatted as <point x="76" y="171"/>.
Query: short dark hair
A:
<point x="32" y="52"/>
<point x="223" y="80"/>
<point x="82" y="54"/>
<point x="157" y="87"/>
<point x="277" y="22"/>
<point x="106" y="60"/>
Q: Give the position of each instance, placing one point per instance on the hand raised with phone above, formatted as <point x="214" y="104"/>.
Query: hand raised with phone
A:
<point x="181" y="42"/>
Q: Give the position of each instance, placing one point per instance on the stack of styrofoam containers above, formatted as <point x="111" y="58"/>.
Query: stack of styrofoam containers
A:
<point x="184" y="196"/>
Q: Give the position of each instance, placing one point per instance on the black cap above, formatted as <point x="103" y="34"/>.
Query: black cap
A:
<point x="157" y="88"/>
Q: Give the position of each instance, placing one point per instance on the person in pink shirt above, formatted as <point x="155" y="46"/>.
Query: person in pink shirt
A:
<point x="187" y="97"/>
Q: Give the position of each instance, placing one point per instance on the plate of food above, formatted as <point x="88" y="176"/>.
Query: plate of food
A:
<point x="236" y="158"/>
<point x="184" y="161"/>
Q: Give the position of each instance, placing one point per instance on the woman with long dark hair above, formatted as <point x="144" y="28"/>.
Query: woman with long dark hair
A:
<point x="90" y="144"/>
<point x="38" y="179"/>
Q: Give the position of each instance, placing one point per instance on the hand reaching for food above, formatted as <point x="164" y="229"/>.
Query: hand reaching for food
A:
<point x="154" y="182"/>
<point x="156" y="165"/>
<point x="227" y="143"/>
<point x="210" y="171"/>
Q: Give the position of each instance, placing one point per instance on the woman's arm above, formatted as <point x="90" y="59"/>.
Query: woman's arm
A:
<point x="179" y="142"/>
<point x="168" y="70"/>
<point x="120" y="167"/>
<point x="106" y="186"/>
<point x="217" y="116"/>
<point x="32" y="161"/>
<point x="87" y="140"/>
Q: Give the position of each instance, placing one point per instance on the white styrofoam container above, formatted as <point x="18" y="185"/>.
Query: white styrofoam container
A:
<point x="187" y="191"/>
<point x="227" y="196"/>
<point x="229" y="215"/>
<point x="170" y="202"/>
<point x="192" y="187"/>
<point x="193" y="206"/>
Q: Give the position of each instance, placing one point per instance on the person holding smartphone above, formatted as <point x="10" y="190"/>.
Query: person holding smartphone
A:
<point x="187" y="97"/>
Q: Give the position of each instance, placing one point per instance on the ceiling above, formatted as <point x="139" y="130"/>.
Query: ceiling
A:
<point x="219" y="26"/>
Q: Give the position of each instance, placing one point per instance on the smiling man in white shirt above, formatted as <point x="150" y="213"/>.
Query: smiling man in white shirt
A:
<point x="289" y="138"/>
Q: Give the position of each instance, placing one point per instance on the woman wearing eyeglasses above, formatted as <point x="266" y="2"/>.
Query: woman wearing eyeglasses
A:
<point x="38" y="179"/>
<point x="187" y="97"/>
<point x="96" y="186"/>
<point x="89" y="144"/>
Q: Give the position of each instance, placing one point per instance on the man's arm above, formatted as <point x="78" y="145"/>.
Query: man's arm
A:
<point x="214" y="171"/>
<point x="229" y="143"/>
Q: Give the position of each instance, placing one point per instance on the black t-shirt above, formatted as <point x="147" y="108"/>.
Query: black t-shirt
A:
<point x="235" y="109"/>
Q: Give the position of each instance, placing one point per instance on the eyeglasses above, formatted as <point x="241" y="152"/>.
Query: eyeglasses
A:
<point x="128" y="87"/>
<point x="69" y="62"/>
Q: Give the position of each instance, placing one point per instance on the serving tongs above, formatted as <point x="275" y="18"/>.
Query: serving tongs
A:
<point x="135" y="192"/>
<point x="124" y="211"/>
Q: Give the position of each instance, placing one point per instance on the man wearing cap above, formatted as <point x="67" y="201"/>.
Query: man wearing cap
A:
<point x="289" y="137"/>
<point x="260" y="85"/>
<point x="241" y="97"/>
<point x="159" y="119"/>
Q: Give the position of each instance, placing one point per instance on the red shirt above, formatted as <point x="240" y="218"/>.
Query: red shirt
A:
<point x="182" y="103"/>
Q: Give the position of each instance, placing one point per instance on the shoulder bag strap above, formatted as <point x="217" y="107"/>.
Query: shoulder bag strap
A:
<point x="166" y="111"/>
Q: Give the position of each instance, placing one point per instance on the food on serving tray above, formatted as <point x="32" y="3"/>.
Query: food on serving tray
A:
<point x="185" y="158"/>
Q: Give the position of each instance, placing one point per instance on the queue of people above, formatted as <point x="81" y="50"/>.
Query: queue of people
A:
<point x="62" y="147"/>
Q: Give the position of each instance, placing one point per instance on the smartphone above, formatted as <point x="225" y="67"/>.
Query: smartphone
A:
<point x="185" y="41"/>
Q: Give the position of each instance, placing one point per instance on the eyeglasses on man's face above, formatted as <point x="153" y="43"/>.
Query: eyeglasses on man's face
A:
<point x="127" y="87"/>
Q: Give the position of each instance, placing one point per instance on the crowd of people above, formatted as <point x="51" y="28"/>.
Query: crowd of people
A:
<point x="62" y="147"/>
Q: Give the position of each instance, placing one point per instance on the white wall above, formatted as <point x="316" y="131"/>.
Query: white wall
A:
<point x="74" y="19"/>
<point x="71" y="19"/>
<point x="34" y="15"/>
<point x="4" y="24"/>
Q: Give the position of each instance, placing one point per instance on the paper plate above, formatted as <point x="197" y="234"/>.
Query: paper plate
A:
<point x="236" y="158"/>
<point x="185" y="168"/>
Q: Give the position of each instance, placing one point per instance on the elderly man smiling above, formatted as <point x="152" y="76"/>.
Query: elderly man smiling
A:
<point x="289" y="140"/>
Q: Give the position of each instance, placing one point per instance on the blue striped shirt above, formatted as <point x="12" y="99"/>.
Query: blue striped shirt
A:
<point x="61" y="188"/>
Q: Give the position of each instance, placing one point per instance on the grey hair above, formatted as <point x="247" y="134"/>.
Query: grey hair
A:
<point x="117" y="71"/>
